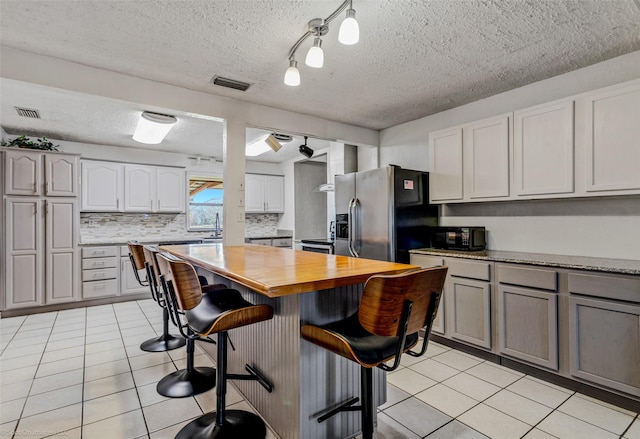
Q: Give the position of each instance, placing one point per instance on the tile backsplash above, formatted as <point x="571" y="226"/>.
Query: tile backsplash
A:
<point x="147" y="227"/>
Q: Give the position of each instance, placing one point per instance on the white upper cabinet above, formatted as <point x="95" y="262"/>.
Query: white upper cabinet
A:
<point x="612" y="139"/>
<point x="585" y="145"/>
<point x="24" y="174"/>
<point x="264" y="193"/>
<point x="543" y="149"/>
<point x="486" y="158"/>
<point x="171" y="190"/>
<point x="139" y="188"/>
<point x="470" y="162"/>
<point x="102" y="186"/>
<point x="61" y="175"/>
<point x="116" y="187"/>
<point x="445" y="179"/>
<point x="274" y="193"/>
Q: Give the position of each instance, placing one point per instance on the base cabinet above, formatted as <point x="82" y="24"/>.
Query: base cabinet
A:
<point x="605" y="343"/>
<point x="527" y="325"/>
<point x="40" y="255"/>
<point x="128" y="282"/>
<point x="100" y="272"/>
<point x="428" y="262"/>
<point x="470" y="303"/>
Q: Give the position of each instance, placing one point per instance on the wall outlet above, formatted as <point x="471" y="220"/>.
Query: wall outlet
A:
<point x="240" y="217"/>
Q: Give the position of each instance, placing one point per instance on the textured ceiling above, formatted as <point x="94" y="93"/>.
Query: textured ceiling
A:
<point x="414" y="58"/>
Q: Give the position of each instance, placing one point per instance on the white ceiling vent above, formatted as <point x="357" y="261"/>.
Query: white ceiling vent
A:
<point x="230" y="83"/>
<point x="28" y="112"/>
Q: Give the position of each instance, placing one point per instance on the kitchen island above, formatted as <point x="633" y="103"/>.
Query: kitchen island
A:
<point x="302" y="287"/>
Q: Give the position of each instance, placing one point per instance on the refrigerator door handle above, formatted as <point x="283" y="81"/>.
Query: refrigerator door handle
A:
<point x="350" y="219"/>
<point x="354" y="240"/>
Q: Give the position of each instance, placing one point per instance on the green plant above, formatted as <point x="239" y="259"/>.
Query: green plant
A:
<point x="24" y="142"/>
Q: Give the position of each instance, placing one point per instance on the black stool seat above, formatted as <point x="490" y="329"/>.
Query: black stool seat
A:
<point x="216" y="312"/>
<point x="392" y="310"/>
<point x="363" y="346"/>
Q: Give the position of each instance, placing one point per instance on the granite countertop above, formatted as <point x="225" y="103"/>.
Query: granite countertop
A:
<point x="145" y="240"/>
<point x="623" y="266"/>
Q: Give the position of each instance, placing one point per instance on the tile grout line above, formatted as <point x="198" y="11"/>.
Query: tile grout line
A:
<point x="33" y="379"/>
<point x="629" y="426"/>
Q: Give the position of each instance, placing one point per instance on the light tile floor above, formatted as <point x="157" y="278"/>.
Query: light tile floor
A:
<point x="80" y="374"/>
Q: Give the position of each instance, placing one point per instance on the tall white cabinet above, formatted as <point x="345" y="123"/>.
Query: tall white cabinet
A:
<point x="40" y="228"/>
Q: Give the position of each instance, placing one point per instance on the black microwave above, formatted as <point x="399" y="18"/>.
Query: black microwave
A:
<point x="458" y="238"/>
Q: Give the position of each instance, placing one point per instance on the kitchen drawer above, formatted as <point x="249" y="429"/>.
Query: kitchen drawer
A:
<point x="266" y="241"/>
<point x="98" y="252"/>
<point x="611" y="287"/>
<point x="124" y="250"/>
<point x="281" y="242"/>
<point x="425" y="261"/>
<point x="100" y="274"/>
<point x="528" y="277"/>
<point x="471" y="270"/>
<point x="99" y="288"/>
<point x="95" y="263"/>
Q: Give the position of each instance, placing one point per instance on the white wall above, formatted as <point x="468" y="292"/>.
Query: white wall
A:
<point x="598" y="227"/>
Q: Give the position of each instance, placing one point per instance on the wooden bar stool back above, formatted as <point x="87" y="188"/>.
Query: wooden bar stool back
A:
<point x="216" y="313"/>
<point x="392" y="310"/>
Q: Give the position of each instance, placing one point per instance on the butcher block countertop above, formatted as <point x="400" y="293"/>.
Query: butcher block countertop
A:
<point x="277" y="272"/>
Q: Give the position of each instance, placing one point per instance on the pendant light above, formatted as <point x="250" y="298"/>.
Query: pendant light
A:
<point x="315" y="55"/>
<point x="349" y="30"/>
<point x="292" y="75"/>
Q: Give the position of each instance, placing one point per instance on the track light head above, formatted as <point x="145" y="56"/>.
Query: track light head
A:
<point x="305" y="150"/>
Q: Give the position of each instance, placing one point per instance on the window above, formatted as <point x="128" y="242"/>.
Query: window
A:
<point x="205" y="203"/>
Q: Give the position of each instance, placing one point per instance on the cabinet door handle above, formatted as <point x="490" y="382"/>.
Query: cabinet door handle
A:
<point x="158" y="205"/>
<point x="118" y="203"/>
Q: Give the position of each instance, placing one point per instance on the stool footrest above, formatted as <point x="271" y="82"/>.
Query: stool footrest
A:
<point x="347" y="406"/>
<point x="254" y="375"/>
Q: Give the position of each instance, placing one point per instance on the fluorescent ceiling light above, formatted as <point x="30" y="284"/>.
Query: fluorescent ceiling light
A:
<point x="262" y="145"/>
<point x="153" y="127"/>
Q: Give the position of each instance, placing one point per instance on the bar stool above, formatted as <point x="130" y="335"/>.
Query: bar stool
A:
<point x="392" y="310"/>
<point x="217" y="313"/>
<point x="191" y="380"/>
<point x="166" y="341"/>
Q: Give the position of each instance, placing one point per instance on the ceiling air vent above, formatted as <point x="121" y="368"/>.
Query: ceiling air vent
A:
<point x="230" y="83"/>
<point x="27" y="112"/>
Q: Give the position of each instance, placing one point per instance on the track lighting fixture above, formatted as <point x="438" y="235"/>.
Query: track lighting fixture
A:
<point x="262" y="145"/>
<point x="349" y="34"/>
<point x="305" y="150"/>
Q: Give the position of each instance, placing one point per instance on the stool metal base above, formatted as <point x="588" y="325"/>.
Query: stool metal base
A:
<point x="238" y="425"/>
<point x="184" y="383"/>
<point x="163" y="343"/>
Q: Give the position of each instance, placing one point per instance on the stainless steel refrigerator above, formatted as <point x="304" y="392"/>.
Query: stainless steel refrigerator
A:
<point x="383" y="213"/>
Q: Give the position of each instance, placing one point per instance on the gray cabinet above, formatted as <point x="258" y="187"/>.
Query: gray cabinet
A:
<point x="468" y="290"/>
<point x="428" y="262"/>
<point x="527" y="317"/>
<point x="604" y="333"/>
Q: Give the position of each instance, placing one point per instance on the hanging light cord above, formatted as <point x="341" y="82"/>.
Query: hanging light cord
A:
<point x="327" y="20"/>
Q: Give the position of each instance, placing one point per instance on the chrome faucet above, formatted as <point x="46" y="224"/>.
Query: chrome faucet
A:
<point x="216" y="230"/>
